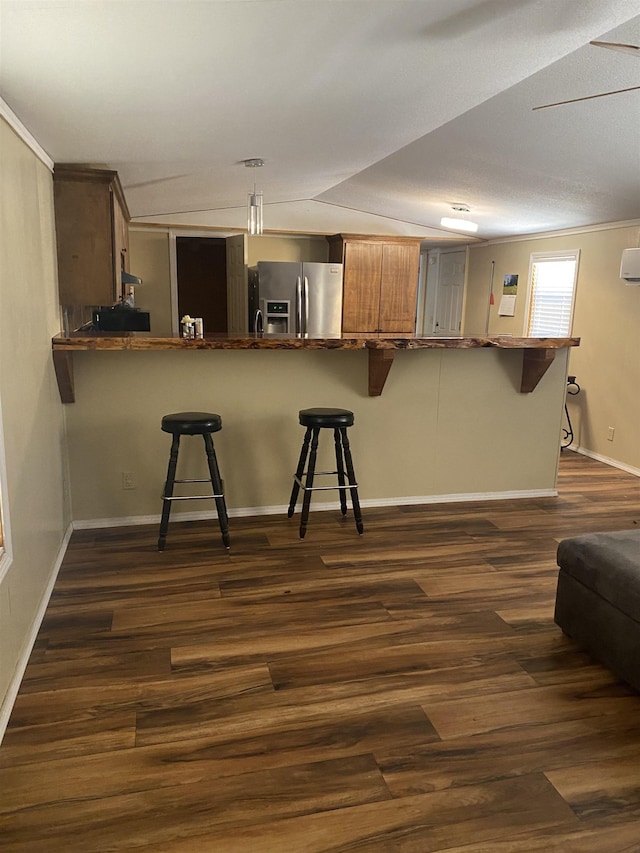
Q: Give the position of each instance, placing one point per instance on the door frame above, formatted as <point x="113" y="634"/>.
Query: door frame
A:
<point x="174" y="233"/>
<point x="431" y="285"/>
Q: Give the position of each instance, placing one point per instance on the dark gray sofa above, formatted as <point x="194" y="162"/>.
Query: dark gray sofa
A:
<point x="598" y="598"/>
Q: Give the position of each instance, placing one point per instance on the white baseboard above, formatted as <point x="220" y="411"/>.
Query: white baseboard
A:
<point x="243" y="512"/>
<point x="202" y="515"/>
<point x="462" y="498"/>
<point x="10" y="696"/>
<point x="606" y="459"/>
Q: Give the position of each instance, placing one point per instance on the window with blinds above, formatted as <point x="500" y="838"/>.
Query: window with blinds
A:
<point x="551" y="295"/>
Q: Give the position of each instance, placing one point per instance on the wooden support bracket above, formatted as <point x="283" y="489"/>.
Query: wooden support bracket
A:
<point x="63" y="365"/>
<point x="535" y="363"/>
<point x="380" y="361"/>
<point x="537" y="356"/>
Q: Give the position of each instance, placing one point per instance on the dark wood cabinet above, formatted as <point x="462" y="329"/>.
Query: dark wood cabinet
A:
<point x="92" y="234"/>
<point x="380" y="282"/>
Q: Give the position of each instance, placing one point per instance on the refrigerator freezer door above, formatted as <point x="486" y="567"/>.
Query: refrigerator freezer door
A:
<point x="323" y="303"/>
<point x="277" y="280"/>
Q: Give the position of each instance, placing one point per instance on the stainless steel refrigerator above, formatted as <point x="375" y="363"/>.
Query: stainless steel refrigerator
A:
<point x="302" y="299"/>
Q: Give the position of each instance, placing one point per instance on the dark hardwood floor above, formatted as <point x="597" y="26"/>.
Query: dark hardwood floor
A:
<point x="405" y="691"/>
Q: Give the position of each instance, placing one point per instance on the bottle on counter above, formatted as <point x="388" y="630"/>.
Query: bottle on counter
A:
<point x="188" y="327"/>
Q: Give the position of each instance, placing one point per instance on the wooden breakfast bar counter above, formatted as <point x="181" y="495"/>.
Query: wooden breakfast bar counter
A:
<point x="455" y="420"/>
<point x="537" y="353"/>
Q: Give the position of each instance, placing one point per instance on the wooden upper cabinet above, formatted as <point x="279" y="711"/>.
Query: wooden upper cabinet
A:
<point x="120" y="237"/>
<point x="361" y="287"/>
<point x="92" y="235"/>
<point x="380" y="282"/>
<point x="399" y="288"/>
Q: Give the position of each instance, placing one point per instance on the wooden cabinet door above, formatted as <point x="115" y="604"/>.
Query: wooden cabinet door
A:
<point x="84" y="242"/>
<point x="92" y="234"/>
<point x="399" y="288"/>
<point x="361" y="292"/>
<point x="238" y="320"/>
<point x="120" y="245"/>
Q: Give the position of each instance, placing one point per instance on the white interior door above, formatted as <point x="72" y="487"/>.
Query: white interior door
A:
<point x="449" y="293"/>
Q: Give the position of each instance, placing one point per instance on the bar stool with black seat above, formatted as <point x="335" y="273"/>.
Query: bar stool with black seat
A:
<point x="193" y="423"/>
<point x="315" y="420"/>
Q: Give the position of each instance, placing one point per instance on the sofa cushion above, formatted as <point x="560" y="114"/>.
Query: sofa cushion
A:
<point x="607" y="563"/>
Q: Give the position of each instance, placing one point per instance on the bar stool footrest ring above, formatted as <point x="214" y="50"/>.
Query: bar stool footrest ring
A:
<point x="323" y="488"/>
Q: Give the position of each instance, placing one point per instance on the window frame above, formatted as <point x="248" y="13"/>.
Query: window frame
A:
<point x="537" y="257"/>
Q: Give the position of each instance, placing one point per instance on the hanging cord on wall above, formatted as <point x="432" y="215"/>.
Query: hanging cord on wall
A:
<point x="490" y="299"/>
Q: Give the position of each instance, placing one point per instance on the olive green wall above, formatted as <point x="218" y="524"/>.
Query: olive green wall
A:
<point x="448" y="423"/>
<point x="32" y="415"/>
<point x="606" y="318"/>
<point x="149" y="252"/>
<point x="273" y="248"/>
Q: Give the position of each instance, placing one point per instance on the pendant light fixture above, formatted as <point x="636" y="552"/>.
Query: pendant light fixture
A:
<point x="254" y="201"/>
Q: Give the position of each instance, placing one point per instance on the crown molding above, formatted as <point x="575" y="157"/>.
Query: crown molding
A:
<point x="565" y="232"/>
<point x="14" y="122"/>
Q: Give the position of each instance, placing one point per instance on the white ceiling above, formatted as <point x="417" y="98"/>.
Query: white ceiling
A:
<point x="372" y="116"/>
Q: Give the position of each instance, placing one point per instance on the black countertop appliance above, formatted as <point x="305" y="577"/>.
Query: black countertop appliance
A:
<point x="120" y="318"/>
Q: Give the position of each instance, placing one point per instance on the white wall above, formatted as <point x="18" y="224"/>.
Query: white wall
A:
<point x="33" y="419"/>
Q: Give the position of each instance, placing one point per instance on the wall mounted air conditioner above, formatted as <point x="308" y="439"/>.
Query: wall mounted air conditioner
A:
<point x="630" y="266"/>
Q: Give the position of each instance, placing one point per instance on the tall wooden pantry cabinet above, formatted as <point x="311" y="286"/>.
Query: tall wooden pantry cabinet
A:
<point x="380" y="282"/>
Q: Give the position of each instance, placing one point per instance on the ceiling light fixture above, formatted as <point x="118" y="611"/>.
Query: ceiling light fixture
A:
<point x="254" y="201"/>
<point x="459" y="224"/>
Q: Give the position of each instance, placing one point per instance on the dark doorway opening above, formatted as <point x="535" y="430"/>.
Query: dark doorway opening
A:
<point x="202" y="280"/>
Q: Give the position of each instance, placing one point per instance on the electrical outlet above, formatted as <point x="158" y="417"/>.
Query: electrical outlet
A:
<point x="610" y="433"/>
<point x="127" y="480"/>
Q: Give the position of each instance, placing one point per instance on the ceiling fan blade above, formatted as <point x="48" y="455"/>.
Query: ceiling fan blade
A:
<point x="633" y="49"/>
<point x="586" y="98"/>
<point x="150" y="183"/>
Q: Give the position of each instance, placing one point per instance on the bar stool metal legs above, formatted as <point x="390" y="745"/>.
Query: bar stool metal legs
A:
<point x="193" y="423"/>
<point x="314" y="420"/>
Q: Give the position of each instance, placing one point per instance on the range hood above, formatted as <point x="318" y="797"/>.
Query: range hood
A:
<point x="128" y="288"/>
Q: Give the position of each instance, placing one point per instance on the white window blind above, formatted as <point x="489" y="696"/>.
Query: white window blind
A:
<point x="551" y="297"/>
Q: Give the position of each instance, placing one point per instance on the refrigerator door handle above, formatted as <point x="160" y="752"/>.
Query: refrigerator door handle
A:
<point x="305" y="291"/>
<point x="299" y="298"/>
